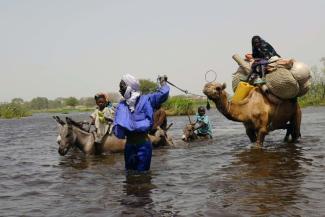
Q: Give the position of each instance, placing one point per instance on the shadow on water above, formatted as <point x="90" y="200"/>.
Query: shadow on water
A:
<point x="263" y="181"/>
<point x="79" y="161"/>
<point x="137" y="189"/>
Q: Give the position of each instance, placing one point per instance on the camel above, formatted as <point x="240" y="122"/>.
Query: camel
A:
<point x="257" y="112"/>
<point x="72" y="135"/>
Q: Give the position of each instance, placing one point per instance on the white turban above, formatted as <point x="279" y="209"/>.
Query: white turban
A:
<point x="132" y="82"/>
<point x="132" y="91"/>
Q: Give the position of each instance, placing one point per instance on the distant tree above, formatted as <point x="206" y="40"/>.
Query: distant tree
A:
<point x="71" y="101"/>
<point x="17" y="101"/>
<point x="114" y="97"/>
<point x="323" y="68"/>
<point x="87" y="101"/>
<point x="39" y="103"/>
<point x="57" y="103"/>
<point x="147" y="86"/>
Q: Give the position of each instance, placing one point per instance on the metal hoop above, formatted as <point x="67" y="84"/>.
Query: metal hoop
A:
<point x="207" y="72"/>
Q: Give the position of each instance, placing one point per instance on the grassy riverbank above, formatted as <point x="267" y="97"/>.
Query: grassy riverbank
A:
<point x="175" y="105"/>
<point x="12" y="110"/>
<point x="182" y="105"/>
<point x="314" y="97"/>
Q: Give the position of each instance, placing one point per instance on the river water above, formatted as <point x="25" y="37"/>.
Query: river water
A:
<point x="222" y="177"/>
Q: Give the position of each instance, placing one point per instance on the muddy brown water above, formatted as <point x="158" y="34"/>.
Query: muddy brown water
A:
<point x="222" y="177"/>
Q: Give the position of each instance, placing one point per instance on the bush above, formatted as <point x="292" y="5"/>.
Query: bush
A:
<point x="182" y="105"/>
<point x="71" y="101"/>
<point x="147" y="86"/>
<point x="13" y="110"/>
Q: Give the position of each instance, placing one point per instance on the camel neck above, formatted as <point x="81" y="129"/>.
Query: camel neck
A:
<point x="230" y="110"/>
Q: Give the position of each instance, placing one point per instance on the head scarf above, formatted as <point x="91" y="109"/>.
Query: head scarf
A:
<point x="132" y="91"/>
<point x="101" y="94"/>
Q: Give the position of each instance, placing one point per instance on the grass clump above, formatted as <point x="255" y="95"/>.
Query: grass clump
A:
<point x="182" y="105"/>
<point x="12" y="110"/>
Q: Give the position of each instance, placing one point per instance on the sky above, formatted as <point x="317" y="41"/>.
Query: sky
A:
<point x="76" y="48"/>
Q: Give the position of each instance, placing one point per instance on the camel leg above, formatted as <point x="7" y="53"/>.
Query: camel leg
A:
<point x="262" y="128"/>
<point x="296" y="125"/>
<point x="289" y="132"/>
<point x="260" y="136"/>
<point x="251" y="134"/>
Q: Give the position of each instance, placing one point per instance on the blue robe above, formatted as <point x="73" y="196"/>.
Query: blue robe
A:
<point x="138" y="156"/>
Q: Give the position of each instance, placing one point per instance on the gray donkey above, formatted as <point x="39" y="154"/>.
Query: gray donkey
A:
<point x="72" y="135"/>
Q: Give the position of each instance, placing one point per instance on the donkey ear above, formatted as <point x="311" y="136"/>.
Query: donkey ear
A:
<point x="68" y="120"/>
<point x="58" y="120"/>
<point x="224" y="86"/>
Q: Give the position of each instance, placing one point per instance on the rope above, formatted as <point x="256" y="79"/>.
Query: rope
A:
<point x="206" y="75"/>
<point x="184" y="91"/>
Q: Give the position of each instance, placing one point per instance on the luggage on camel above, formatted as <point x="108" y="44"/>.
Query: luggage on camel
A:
<point x="285" y="78"/>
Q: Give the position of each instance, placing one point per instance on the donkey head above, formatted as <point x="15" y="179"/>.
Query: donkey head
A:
<point x="67" y="137"/>
<point x="189" y="131"/>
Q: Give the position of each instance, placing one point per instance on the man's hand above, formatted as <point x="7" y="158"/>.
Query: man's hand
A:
<point x="162" y="79"/>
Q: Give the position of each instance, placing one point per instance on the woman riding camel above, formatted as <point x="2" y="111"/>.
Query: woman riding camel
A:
<point x="262" y="52"/>
<point x="134" y="119"/>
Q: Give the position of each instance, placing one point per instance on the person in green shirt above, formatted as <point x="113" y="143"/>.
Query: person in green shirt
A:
<point x="204" y="126"/>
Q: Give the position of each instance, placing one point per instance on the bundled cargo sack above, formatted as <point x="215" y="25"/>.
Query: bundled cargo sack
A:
<point x="303" y="89"/>
<point x="301" y="72"/>
<point x="282" y="84"/>
<point x="240" y="75"/>
<point x="286" y="78"/>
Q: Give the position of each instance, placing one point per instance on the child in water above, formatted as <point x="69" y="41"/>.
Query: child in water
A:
<point x="102" y="117"/>
<point x="204" y="128"/>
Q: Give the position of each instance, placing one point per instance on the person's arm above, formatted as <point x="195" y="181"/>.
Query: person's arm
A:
<point x="109" y="115"/>
<point x="93" y="118"/>
<point x="159" y="97"/>
<point x="119" y="132"/>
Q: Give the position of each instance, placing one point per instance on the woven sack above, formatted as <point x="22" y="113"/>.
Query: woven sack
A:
<point x="301" y="72"/>
<point x="282" y="84"/>
<point x="237" y="77"/>
<point x="304" y="88"/>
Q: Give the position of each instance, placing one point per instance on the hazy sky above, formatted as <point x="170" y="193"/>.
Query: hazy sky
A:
<point x="77" y="48"/>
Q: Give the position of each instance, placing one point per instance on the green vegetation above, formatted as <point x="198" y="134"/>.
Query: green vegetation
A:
<point x="314" y="97"/>
<point x="147" y="86"/>
<point x="176" y="105"/>
<point x="13" y="110"/>
<point x="316" y="94"/>
<point x="183" y="105"/>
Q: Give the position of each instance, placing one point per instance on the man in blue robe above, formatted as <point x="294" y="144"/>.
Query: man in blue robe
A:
<point x="134" y="120"/>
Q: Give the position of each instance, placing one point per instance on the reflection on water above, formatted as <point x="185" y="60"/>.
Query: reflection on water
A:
<point x="137" y="194"/>
<point x="264" y="181"/>
<point x="224" y="177"/>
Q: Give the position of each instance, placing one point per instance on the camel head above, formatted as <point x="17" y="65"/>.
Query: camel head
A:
<point x="214" y="90"/>
<point x="67" y="137"/>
